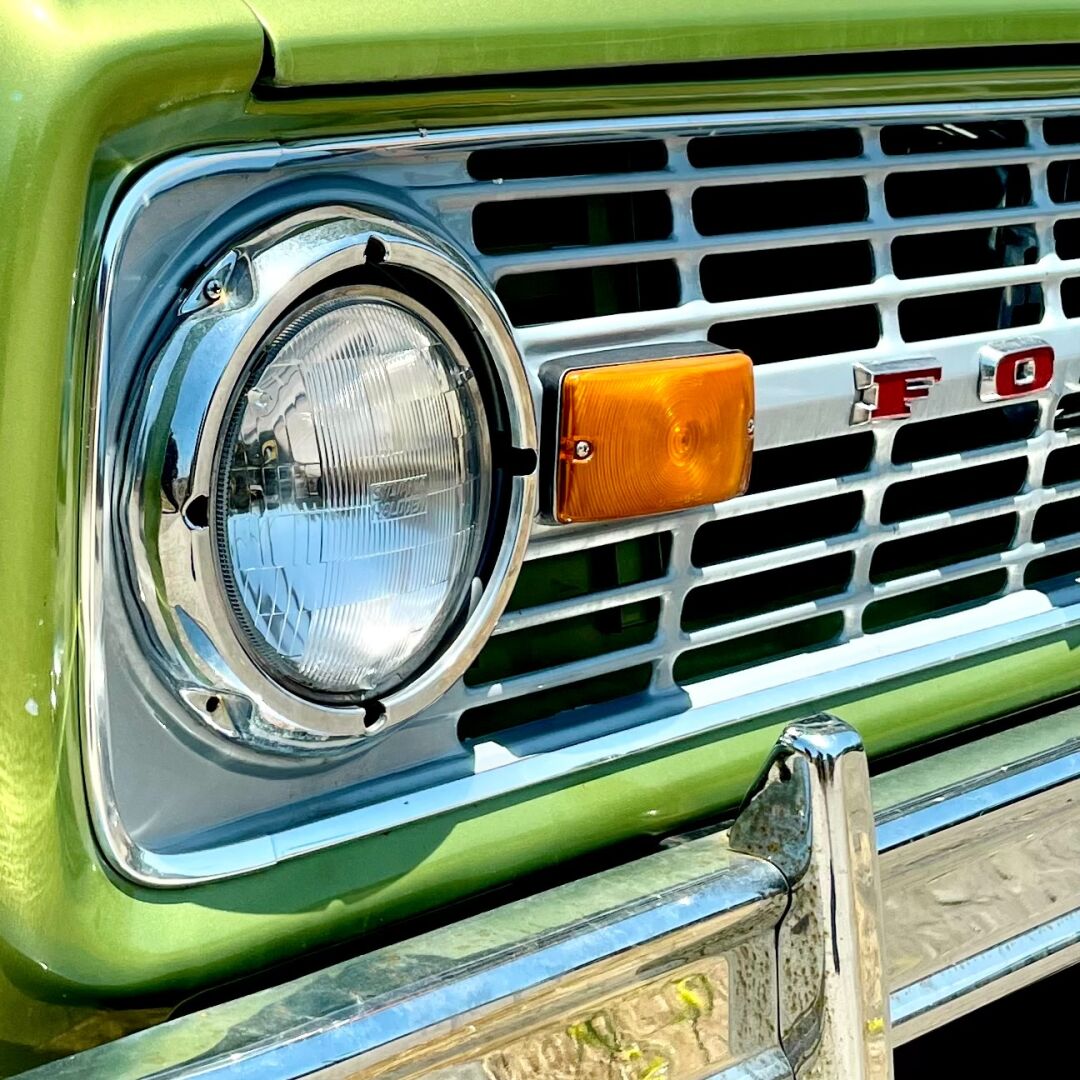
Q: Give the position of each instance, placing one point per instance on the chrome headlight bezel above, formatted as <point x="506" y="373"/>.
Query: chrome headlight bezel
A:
<point x="171" y="472"/>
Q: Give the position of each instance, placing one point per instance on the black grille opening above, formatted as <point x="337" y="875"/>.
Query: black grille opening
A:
<point x="770" y="590"/>
<point x="621" y="687"/>
<point x="771" y="530"/>
<point x="934" y="254"/>
<point x="945" y="138"/>
<point x="965" y="432"/>
<point x="805" y="333"/>
<point x="1055" y="520"/>
<point x="581" y="293"/>
<point x="926" y="317"/>
<point x="803" y="463"/>
<point x="752" y="649"/>
<point x="1067" y="238"/>
<point x="500" y="228"/>
<point x="1070" y="297"/>
<point x="581" y="637"/>
<point x="953" y="490"/>
<point x="942" y="547"/>
<point x="1062" y="466"/>
<point x="774" y="147"/>
<point x="1051" y="567"/>
<point x="1067" y="414"/>
<point x="777" y="271"/>
<point x="1063" y="181"/>
<point x="568" y="159"/>
<point x="1058" y="130"/>
<point x="590" y="570"/>
<point x="786" y="204"/>
<point x="937" y="600"/>
<point x="953" y="191"/>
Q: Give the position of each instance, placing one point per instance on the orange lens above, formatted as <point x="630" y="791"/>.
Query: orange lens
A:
<point x="653" y="436"/>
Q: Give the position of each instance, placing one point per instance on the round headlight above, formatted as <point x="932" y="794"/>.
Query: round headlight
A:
<point x="331" y="483"/>
<point x="352" y="494"/>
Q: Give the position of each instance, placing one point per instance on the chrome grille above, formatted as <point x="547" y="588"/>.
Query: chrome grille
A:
<point x="810" y="248"/>
<point x="860" y="556"/>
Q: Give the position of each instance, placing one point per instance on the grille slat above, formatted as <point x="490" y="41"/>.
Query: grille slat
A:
<point x="465" y="196"/>
<point x="948" y="597"/>
<point x="593" y="602"/>
<point x="736" y="654"/>
<point x="817" y="299"/>
<point x="731" y="631"/>
<point x="867" y="539"/>
<point x="844" y="532"/>
<point x="520" y="685"/>
<point x="614" y="254"/>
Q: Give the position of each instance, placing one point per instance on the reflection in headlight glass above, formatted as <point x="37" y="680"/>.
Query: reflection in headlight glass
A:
<point x="352" y="494"/>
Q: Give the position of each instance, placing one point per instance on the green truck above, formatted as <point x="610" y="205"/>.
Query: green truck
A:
<point x="548" y="538"/>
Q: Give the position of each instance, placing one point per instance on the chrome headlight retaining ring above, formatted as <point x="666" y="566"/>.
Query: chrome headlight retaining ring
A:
<point x="170" y="478"/>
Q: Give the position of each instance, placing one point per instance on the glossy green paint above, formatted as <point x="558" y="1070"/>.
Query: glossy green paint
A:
<point x="79" y="84"/>
<point x="90" y="92"/>
<point x="327" y="41"/>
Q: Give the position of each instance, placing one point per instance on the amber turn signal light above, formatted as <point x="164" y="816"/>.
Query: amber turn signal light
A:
<point x="652" y="435"/>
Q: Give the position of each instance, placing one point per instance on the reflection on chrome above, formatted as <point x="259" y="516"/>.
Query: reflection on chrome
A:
<point x="674" y="1026"/>
<point x="812" y="816"/>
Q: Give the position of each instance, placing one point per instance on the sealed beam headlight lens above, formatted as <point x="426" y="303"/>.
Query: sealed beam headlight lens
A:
<point x="352" y="494"/>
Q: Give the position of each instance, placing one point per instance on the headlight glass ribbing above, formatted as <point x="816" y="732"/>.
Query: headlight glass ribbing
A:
<point x="353" y="493"/>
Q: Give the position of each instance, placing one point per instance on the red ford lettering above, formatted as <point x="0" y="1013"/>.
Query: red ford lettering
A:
<point x="887" y="394"/>
<point x="1013" y="368"/>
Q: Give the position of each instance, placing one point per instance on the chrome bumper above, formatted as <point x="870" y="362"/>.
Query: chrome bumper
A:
<point x="778" y="948"/>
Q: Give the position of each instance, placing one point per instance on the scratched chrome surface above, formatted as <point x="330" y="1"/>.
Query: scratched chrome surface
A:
<point x="425" y="769"/>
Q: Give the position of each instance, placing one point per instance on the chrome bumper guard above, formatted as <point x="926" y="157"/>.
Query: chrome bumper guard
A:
<point x="778" y="948"/>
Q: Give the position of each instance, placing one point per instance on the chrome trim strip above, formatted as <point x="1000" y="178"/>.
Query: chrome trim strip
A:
<point x="932" y="814"/>
<point x="965" y="110"/>
<point x="1018" y="618"/>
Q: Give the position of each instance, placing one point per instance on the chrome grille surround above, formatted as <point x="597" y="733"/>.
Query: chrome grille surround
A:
<point x="799" y="401"/>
